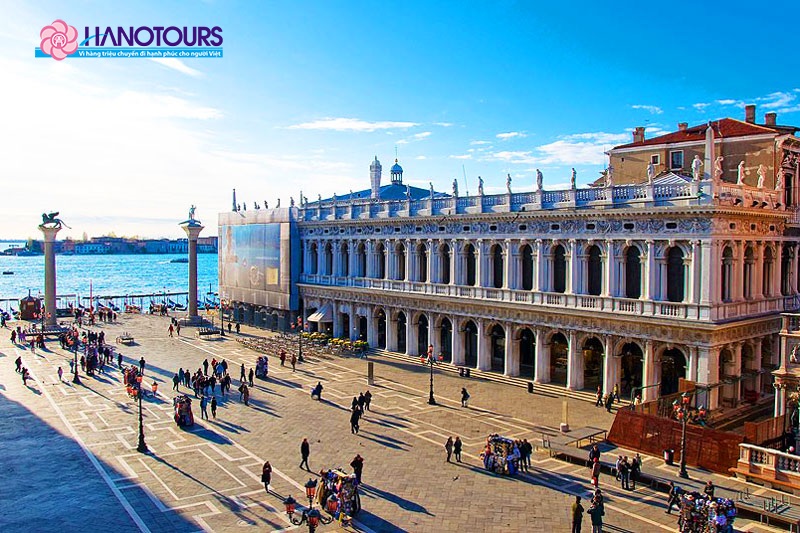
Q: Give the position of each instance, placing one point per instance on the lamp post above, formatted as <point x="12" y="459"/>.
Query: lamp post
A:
<point x="75" y="378"/>
<point x="431" y="361"/>
<point x="142" y="447"/>
<point x="312" y="516"/>
<point x="685" y="413"/>
<point x="222" y="317"/>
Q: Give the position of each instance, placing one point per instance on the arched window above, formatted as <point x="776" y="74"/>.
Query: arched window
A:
<point x="786" y="269"/>
<point x="444" y="271"/>
<point x="633" y="273"/>
<point x="313" y="259"/>
<point x="766" y="278"/>
<point x="422" y="263"/>
<point x="469" y="253"/>
<point x="361" y="260"/>
<point x="328" y="259"/>
<point x="497" y="266"/>
<point x="400" y="257"/>
<point x="675" y="275"/>
<point x="345" y="260"/>
<point x="526" y="256"/>
<point x="747" y="273"/>
<point x="380" y="251"/>
<point x="594" y="271"/>
<point x="559" y="269"/>
<point x="727" y="274"/>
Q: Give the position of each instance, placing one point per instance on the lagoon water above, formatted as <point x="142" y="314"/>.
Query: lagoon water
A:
<point x="110" y="275"/>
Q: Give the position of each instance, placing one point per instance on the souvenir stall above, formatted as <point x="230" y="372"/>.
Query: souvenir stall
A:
<point x="500" y="455"/>
<point x="183" y="410"/>
<point x="700" y="514"/>
<point x="262" y="367"/>
<point x="338" y="494"/>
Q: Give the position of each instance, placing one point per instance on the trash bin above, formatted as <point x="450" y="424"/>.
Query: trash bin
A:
<point x="669" y="455"/>
<point x="530" y="387"/>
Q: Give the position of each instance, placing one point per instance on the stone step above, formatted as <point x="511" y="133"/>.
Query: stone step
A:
<point x="543" y="388"/>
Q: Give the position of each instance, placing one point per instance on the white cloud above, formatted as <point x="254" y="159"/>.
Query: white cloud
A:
<point x="422" y="135"/>
<point x="351" y="124"/>
<point x="177" y="64"/>
<point x="575" y="149"/>
<point x="443" y="124"/>
<point x="730" y="101"/>
<point x="701" y="106"/>
<point x="477" y="143"/>
<point x="420" y="157"/>
<point x="510" y="135"/>
<point x="653" y="109"/>
<point x="465" y="156"/>
<point x="777" y="100"/>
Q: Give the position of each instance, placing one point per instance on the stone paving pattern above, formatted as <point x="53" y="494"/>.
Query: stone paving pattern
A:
<point x="208" y="477"/>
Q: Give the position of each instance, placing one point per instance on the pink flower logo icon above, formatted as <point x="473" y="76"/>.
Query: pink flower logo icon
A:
<point x="59" y="40"/>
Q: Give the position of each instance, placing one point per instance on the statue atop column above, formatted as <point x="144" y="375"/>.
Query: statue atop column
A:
<point x="573" y="177"/>
<point x="191" y="221"/>
<point x="651" y="172"/>
<point x="539" y="180"/>
<point x="718" y="168"/>
<point x="610" y="176"/>
<point x="480" y="186"/>
<point x="455" y="188"/>
<point x="291" y="201"/>
<point x="696" y="164"/>
<point x="740" y="173"/>
<point x="430" y="183"/>
<point x="508" y="183"/>
<point x="51" y="220"/>
<point x="779" y="180"/>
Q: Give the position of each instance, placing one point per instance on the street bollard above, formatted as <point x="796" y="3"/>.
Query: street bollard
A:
<point x="370" y="373"/>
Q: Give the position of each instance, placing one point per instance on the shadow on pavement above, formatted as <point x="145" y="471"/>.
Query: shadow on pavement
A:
<point x="401" y="502"/>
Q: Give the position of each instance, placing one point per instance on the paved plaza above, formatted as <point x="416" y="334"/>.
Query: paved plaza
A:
<point x="71" y="462"/>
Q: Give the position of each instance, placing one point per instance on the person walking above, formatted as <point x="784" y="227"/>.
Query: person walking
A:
<point x="175" y="381"/>
<point x="577" y="515"/>
<point x="141" y="365"/>
<point x="615" y="393"/>
<point x="238" y="328"/>
<point x="60" y="374"/>
<point x="595" y="511"/>
<point x="367" y="399"/>
<point x="205" y="367"/>
<point x="18" y="363"/>
<point x="171" y="330"/>
<point x="214" y="407"/>
<point x="625" y="474"/>
<point x="596" y="473"/>
<point x="609" y="401"/>
<point x="449" y="447"/>
<point x="599" y="397"/>
<point x="250" y="376"/>
<point x="119" y="359"/>
<point x="673" y="497"/>
<point x="294" y="362"/>
<point x="355" y="415"/>
<point x="204" y="407"/>
<point x="305" y="451"/>
<point x="594" y="454"/>
<point x="246" y="395"/>
<point x="266" y="475"/>
<point x="357" y="465"/>
<point x="178" y="328"/>
<point x="457" y="445"/>
<point x="283" y="358"/>
<point x="528" y="449"/>
<point x="242" y="374"/>
<point x="180" y="376"/>
<point x="636" y="469"/>
<point x="464" y="397"/>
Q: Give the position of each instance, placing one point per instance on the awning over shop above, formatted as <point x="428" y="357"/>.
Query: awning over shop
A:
<point x="324" y="314"/>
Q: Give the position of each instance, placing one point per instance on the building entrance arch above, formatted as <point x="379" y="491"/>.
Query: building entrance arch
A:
<point x="592" y="364"/>
<point x="559" y="350"/>
<point x="470" y="333"/>
<point x="401" y="332"/>
<point x="422" y="334"/>
<point x="673" y="368"/>
<point x="446" y="340"/>
<point x="527" y="353"/>
<point x="632" y="368"/>
<point x="497" y="335"/>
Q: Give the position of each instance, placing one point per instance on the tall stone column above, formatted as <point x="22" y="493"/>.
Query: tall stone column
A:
<point x="49" y="272"/>
<point x="541" y="371"/>
<point x="192" y="228"/>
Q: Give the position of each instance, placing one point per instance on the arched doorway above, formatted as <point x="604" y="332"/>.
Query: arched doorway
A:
<point x="559" y="269"/>
<point x="594" y="274"/>
<point x="497" y="336"/>
<point x="559" y="359"/>
<point x="446" y="339"/>
<point x="632" y="368"/>
<point x="401" y="332"/>
<point x="633" y="273"/>
<point x="527" y="353"/>
<point x="592" y="364"/>
<point x="673" y="368"/>
<point x="497" y="266"/>
<point x="526" y="256"/>
<point x="422" y="335"/>
<point x="471" y="344"/>
<point x="380" y="319"/>
<point x="362" y="328"/>
<point x="675" y="275"/>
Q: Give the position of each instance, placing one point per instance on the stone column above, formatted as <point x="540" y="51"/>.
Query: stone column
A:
<point x="372" y="328"/>
<point x="574" y="364"/>
<point x="757" y="364"/>
<point x="541" y="370"/>
<point x="649" y="271"/>
<point x="391" y="331"/>
<point x="571" y="268"/>
<point x="691" y="361"/>
<point x="484" y="348"/>
<point x="192" y="228"/>
<point x="609" y="365"/>
<point x="512" y="352"/>
<point x="49" y="233"/>
<point x="458" y="341"/>
<point x="649" y="372"/>
<point x="609" y="281"/>
<point x="412" y="334"/>
<point x="538" y="266"/>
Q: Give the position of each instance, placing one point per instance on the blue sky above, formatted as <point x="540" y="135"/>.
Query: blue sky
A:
<point x="308" y="92"/>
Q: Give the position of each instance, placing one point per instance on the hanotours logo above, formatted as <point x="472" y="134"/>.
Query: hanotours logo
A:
<point x="59" y="40"/>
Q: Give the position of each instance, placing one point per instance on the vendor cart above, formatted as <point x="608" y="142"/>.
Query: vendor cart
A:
<point x="183" y="411"/>
<point x="501" y="455"/>
<point x="262" y="367"/>
<point x="701" y="514"/>
<point x="338" y="495"/>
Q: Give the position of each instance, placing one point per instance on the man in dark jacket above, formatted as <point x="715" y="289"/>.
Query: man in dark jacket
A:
<point x="577" y="515"/>
<point x="305" y="451"/>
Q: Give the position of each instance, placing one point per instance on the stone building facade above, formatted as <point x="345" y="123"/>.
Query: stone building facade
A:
<point x="635" y="285"/>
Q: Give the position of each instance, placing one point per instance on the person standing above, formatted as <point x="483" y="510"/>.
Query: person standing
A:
<point x="709" y="489"/>
<point x="246" y="394"/>
<point x="175" y="381"/>
<point x="355" y="415"/>
<point x="673" y="497"/>
<point x="250" y="376"/>
<point x="367" y="399"/>
<point x="283" y="357"/>
<point x="141" y="365"/>
<point x="625" y="474"/>
<point x="358" y="466"/>
<point x="615" y="394"/>
<point x="205" y="367"/>
<point x="242" y="374"/>
<point x="266" y="475"/>
<point x="119" y="358"/>
<point x="599" y="397"/>
<point x="305" y="451"/>
<point x="238" y="328"/>
<point x="449" y="447"/>
<point x="464" y="397"/>
<point x="595" y="512"/>
<point x="18" y="363"/>
<point x="214" y="407"/>
<point x="609" y="401"/>
<point x="596" y="473"/>
<point x="171" y="329"/>
<point x="178" y="328"/>
<point x="204" y="407"/>
<point x="294" y="362"/>
<point x="577" y="515"/>
<point x="457" y="444"/>
<point x="361" y="401"/>
<point x="60" y="374"/>
<point x="636" y="469"/>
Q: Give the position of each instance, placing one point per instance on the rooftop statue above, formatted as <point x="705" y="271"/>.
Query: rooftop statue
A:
<point x="255" y="205"/>
<point x="610" y="176"/>
<point x="539" y="180"/>
<point x="696" y="164"/>
<point x="740" y="173"/>
<point x="50" y="220"/>
<point x="508" y="183"/>
<point x="278" y="204"/>
<point x="266" y="205"/>
<point x="430" y="183"/>
<point x="651" y="172"/>
<point x="408" y="192"/>
<point x="762" y="176"/>
<point x="718" y="168"/>
<point x="573" y="178"/>
<point x="455" y="188"/>
<point x="480" y="186"/>
<point x="291" y="201"/>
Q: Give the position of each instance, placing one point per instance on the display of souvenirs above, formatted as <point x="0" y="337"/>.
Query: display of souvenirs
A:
<point x="183" y="410"/>
<point x="338" y="494"/>
<point x="262" y="367"/>
<point x="700" y="514"/>
<point x="500" y="455"/>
